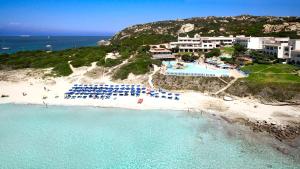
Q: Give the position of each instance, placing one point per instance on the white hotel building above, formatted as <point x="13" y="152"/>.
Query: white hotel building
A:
<point x="282" y="48"/>
<point x="198" y="43"/>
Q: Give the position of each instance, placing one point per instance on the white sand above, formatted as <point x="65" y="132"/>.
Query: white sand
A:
<point x="15" y="83"/>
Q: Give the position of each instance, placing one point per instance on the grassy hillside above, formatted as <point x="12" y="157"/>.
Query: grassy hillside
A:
<point x="219" y="26"/>
<point x="58" y="60"/>
<point x="269" y="82"/>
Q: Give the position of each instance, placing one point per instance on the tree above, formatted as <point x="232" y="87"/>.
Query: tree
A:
<point x="143" y="48"/>
<point x="262" y="58"/>
<point x="176" y="49"/>
<point x="238" y="50"/>
<point x="162" y="46"/>
<point x="212" y="53"/>
<point x="189" y="58"/>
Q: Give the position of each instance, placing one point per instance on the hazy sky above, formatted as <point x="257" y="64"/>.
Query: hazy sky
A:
<point x="99" y="17"/>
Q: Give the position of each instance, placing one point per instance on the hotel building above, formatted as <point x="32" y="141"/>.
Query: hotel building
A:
<point x="198" y="43"/>
<point x="282" y="48"/>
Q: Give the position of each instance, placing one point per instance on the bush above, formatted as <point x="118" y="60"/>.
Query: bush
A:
<point x="112" y="62"/>
<point x="239" y="49"/>
<point x="162" y="46"/>
<point x="262" y="58"/>
<point x="62" y="69"/>
<point x="212" y="53"/>
<point x="139" y="65"/>
<point x="189" y="58"/>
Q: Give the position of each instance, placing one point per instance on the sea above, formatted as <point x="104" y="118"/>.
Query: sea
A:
<point x="56" y="137"/>
<point x="13" y="44"/>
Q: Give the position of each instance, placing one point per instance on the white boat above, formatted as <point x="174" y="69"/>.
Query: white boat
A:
<point x="5" y="48"/>
<point x="48" y="46"/>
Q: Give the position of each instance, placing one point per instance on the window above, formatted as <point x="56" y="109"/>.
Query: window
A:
<point x="286" y="49"/>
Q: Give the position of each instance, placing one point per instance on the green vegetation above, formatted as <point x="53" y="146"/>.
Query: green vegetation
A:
<point x="273" y="73"/>
<point x="238" y="50"/>
<point x="135" y="41"/>
<point x="211" y="26"/>
<point x="139" y="65"/>
<point x="228" y="50"/>
<point x="59" y="60"/>
<point x="189" y="58"/>
<point x="214" y="52"/>
<point x="269" y="82"/>
<point x="62" y="69"/>
<point x="262" y="58"/>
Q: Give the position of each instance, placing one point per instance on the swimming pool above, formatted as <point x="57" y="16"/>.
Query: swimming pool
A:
<point x="193" y="69"/>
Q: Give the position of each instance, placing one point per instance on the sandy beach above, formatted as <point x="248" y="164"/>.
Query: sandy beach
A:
<point x="30" y="87"/>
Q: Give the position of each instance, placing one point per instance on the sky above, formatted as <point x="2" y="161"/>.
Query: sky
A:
<point x="106" y="17"/>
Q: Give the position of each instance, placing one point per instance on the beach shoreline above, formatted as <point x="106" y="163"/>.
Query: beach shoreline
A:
<point x="29" y="87"/>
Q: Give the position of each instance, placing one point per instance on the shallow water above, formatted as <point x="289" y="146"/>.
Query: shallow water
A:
<point x="87" y="138"/>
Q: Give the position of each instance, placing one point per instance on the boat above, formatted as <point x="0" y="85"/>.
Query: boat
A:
<point x="5" y="48"/>
<point x="48" y="46"/>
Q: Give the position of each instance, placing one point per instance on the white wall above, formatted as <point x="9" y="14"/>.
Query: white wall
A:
<point x="297" y="44"/>
<point x="255" y="43"/>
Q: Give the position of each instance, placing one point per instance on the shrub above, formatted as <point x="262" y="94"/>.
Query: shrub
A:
<point x="189" y="58"/>
<point x="214" y="52"/>
<point x="138" y="65"/>
<point x="62" y="69"/>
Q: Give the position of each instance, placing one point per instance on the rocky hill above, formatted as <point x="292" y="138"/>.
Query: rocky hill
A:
<point x="218" y="26"/>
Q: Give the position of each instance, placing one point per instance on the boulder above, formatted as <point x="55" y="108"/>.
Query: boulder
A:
<point x="187" y="28"/>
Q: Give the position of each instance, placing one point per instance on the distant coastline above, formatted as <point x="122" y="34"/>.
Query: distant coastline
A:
<point x="13" y="44"/>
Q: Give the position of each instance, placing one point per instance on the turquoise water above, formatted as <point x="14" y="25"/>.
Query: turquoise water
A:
<point x="18" y="43"/>
<point x="192" y="68"/>
<point x="35" y="137"/>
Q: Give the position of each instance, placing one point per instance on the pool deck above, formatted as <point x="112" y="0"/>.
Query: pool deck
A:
<point x="202" y="70"/>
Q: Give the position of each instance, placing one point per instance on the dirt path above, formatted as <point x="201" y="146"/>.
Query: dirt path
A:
<point x="223" y="80"/>
<point x="118" y="66"/>
<point x="226" y="87"/>
<point x="263" y="69"/>
<point x="151" y="76"/>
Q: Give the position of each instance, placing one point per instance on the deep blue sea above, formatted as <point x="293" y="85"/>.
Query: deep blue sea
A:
<point x="36" y="137"/>
<point x="18" y="43"/>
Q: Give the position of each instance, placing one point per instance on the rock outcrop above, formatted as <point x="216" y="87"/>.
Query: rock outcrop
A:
<point x="186" y="28"/>
<point x="293" y="26"/>
<point x="218" y="26"/>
